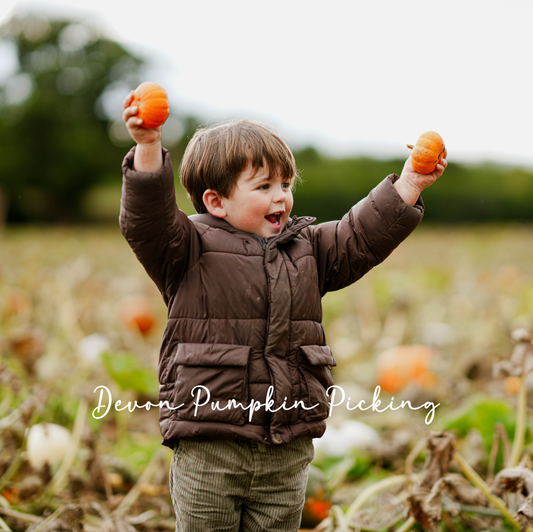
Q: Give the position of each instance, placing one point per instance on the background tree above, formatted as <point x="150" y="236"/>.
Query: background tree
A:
<point x="60" y="137"/>
<point x="54" y="140"/>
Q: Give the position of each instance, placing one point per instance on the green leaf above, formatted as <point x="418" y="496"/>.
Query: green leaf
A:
<point x="126" y="370"/>
<point x="483" y="413"/>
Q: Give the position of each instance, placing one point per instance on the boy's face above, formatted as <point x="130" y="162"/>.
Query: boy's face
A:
<point x="259" y="204"/>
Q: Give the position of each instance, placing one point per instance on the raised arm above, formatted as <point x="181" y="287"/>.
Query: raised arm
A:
<point x="347" y="249"/>
<point x="148" y="156"/>
<point x="373" y="228"/>
<point x="162" y="237"/>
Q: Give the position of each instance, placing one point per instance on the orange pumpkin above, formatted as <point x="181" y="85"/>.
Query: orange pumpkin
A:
<point x="427" y="152"/>
<point x="317" y="500"/>
<point x="405" y="364"/>
<point x="138" y="315"/>
<point x="152" y="101"/>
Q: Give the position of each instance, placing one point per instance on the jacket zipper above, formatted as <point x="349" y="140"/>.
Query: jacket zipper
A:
<point x="264" y="241"/>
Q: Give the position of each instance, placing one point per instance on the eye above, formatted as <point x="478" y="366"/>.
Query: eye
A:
<point x="286" y="185"/>
<point x="263" y="187"/>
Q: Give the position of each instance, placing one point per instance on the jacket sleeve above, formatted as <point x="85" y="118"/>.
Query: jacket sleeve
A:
<point x="161" y="236"/>
<point x="347" y="249"/>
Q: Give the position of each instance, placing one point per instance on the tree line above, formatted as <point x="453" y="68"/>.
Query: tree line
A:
<point x="484" y="192"/>
<point x="61" y="136"/>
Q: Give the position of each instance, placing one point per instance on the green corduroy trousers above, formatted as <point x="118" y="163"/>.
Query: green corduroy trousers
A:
<point x="239" y="486"/>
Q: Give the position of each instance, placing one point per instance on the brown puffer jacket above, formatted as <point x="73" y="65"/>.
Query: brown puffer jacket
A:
<point x="244" y="315"/>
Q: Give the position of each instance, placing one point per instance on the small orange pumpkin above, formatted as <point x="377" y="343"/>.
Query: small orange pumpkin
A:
<point x="405" y="364"/>
<point x="427" y="152"/>
<point x="317" y="500"/>
<point x="138" y="315"/>
<point x="152" y="101"/>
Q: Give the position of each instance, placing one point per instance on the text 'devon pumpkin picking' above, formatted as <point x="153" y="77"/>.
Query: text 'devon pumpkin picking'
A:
<point x="427" y="152"/>
<point x="152" y="101"/>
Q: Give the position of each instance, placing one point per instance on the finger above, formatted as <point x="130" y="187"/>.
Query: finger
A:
<point x="129" y="112"/>
<point x="408" y="165"/>
<point x="441" y="166"/>
<point x="134" y="122"/>
<point x="127" y="100"/>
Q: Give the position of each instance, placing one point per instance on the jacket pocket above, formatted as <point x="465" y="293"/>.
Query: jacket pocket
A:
<point x="211" y="382"/>
<point x="315" y="365"/>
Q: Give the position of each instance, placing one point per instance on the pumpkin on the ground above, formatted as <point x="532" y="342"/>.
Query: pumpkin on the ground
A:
<point x="138" y="315"/>
<point x="405" y="364"/>
<point x="317" y="501"/>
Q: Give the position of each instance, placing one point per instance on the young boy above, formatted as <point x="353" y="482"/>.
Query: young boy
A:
<point x="244" y="365"/>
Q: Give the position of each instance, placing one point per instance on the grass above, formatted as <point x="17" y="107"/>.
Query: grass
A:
<point x="458" y="289"/>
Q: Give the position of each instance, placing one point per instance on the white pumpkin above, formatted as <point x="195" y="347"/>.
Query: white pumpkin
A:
<point x="47" y="443"/>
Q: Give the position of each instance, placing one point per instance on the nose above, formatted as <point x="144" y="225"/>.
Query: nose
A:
<point x="279" y="195"/>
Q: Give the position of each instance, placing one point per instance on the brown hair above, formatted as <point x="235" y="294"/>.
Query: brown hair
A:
<point x="216" y="156"/>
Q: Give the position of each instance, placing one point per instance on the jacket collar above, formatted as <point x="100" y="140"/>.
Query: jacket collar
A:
<point x="293" y="228"/>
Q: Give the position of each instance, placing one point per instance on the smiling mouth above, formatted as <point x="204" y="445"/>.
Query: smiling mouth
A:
<point x="274" y="219"/>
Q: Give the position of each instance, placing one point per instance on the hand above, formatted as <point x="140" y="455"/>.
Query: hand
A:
<point x="148" y="156"/>
<point x="411" y="183"/>
<point x="139" y="134"/>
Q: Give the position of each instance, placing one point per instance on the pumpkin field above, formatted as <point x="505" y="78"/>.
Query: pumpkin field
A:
<point x="440" y="333"/>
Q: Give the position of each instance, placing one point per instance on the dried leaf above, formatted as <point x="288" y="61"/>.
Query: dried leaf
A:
<point x="462" y="492"/>
<point x="525" y="514"/>
<point x="427" y="505"/>
<point x="425" y="501"/>
<point x="428" y="515"/>
<point x="513" y="479"/>
<point x="440" y="449"/>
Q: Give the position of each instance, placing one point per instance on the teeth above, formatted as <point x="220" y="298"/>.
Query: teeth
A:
<point x="274" y="218"/>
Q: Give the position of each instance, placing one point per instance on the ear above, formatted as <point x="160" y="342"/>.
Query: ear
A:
<point x="213" y="203"/>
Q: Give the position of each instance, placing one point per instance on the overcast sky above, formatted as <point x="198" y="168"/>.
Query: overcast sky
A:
<point x="349" y="76"/>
